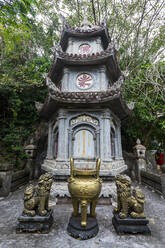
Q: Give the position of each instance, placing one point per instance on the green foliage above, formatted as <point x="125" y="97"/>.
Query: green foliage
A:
<point x="15" y="12"/>
<point x="24" y="58"/>
<point x="147" y="90"/>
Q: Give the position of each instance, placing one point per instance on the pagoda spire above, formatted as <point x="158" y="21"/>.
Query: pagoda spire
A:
<point x="85" y="23"/>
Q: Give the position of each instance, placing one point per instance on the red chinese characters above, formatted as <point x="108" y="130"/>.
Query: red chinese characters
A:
<point x="84" y="49"/>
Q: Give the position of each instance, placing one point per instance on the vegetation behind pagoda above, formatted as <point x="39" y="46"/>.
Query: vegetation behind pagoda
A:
<point x="27" y="31"/>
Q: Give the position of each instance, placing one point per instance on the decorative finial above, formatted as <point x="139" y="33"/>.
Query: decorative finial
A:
<point x="64" y="21"/>
<point x="85" y="23"/>
<point x="131" y="105"/>
<point x="138" y="142"/>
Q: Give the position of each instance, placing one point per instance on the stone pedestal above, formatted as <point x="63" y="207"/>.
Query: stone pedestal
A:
<point x="38" y="224"/>
<point x="130" y="225"/>
<point x="77" y="231"/>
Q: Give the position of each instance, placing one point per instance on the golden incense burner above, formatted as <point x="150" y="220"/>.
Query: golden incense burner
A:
<point x="84" y="187"/>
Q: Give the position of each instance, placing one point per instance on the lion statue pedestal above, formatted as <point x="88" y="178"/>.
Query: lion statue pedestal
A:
<point x="84" y="187"/>
<point x="36" y="215"/>
<point x="129" y="216"/>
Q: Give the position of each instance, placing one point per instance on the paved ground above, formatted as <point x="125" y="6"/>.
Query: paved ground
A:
<point x="11" y="208"/>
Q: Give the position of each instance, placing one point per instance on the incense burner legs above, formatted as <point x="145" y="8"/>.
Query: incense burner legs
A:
<point x="84" y="207"/>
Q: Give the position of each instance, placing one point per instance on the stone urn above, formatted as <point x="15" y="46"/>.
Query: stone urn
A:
<point x="84" y="187"/>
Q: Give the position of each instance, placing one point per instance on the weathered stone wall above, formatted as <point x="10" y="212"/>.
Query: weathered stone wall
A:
<point x="163" y="183"/>
<point x="11" y="180"/>
<point x="0" y="184"/>
<point x="19" y="178"/>
<point x="5" y="178"/>
<point x="157" y="182"/>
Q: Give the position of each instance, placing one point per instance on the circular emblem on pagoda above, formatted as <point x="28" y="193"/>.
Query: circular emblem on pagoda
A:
<point x="84" y="81"/>
<point x="84" y="49"/>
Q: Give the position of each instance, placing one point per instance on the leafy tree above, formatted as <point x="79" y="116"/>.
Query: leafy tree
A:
<point x="25" y="50"/>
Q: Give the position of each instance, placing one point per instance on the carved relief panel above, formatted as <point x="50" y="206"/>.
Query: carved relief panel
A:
<point x="83" y="144"/>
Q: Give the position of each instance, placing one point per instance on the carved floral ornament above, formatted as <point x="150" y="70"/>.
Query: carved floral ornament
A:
<point x="84" y="81"/>
<point x="84" y="118"/>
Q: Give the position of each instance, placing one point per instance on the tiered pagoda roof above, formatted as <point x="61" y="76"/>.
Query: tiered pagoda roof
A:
<point x="84" y="32"/>
<point x="111" y="98"/>
<point x="106" y="57"/>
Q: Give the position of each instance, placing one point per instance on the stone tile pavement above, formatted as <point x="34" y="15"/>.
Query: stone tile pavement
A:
<point x="11" y="207"/>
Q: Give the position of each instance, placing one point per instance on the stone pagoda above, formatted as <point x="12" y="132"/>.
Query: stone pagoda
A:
<point x="84" y="107"/>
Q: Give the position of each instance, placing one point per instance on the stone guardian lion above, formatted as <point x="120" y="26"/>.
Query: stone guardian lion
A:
<point x="36" y="198"/>
<point x="129" y="202"/>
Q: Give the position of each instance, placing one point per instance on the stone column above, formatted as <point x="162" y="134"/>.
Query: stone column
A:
<point x="116" y="146"/>
<point x="120" y="153"/>
<point x="98" y="42"/>
<point x="102" y="72"/>
<point x="50" y="142"/>
<point x="117" y="143"/>
<point x="66" y="138"/>
<point x="62" y="151"/>
<point x="98" y="143"/>
<point x="65" y="83"/>
<point x="70" y="142"/>
<point x="106" y="136"/>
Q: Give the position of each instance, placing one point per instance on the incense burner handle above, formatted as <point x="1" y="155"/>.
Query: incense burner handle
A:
<point x="71" y="167"/>
<point x="98" y="167"/>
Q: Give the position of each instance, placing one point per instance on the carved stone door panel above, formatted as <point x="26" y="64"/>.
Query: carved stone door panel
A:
<point x="84" y="146"/>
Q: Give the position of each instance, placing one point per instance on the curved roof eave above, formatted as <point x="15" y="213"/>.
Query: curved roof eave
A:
<point x="107" y="58"/>
<point x="115" y="102"/>
<point x="82" y="33"/>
